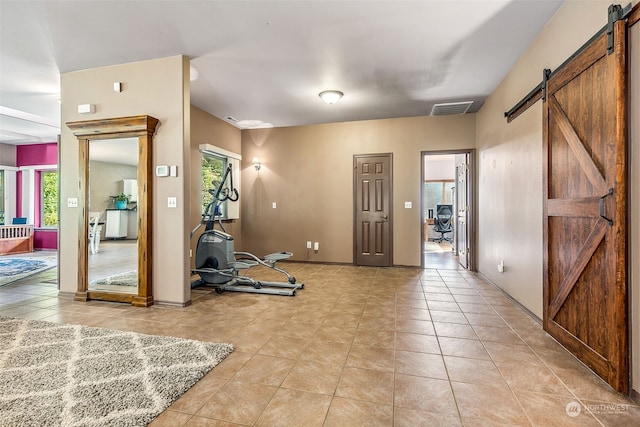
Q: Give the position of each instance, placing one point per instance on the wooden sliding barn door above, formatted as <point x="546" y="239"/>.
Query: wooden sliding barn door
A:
<point x="585" y="289"/>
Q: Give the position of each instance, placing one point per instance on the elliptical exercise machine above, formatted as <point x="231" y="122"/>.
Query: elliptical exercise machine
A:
<point x="219" y="265"/>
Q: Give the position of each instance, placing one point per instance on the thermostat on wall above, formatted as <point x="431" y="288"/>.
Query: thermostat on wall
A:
<point x="162" y="170"/>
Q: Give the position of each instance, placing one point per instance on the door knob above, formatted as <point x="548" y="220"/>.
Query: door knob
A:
<point x="385" y="217"/>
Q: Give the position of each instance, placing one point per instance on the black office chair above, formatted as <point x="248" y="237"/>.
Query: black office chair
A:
<point x="443" y="223"/>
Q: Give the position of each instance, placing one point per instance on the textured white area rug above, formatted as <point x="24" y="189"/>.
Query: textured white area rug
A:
<point x="68" y="375"/>
<point x="434" y="247"/>
<point x="130" y="278"/>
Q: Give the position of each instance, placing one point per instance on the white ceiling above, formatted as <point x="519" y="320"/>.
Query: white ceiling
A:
<point x="268" y="60"/>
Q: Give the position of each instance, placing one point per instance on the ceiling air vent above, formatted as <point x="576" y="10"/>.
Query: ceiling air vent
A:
<point x="450" y="108"/>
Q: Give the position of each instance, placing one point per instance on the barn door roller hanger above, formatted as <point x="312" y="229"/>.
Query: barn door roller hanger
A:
<point x="615" y="13"/>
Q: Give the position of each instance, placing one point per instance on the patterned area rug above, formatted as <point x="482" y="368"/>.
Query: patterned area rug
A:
<point x="68" y="375"/>
<point x="16" y="268"/>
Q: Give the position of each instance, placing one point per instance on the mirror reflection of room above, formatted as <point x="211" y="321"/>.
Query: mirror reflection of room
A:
<point x="439" y="190"/>
<point x="113" y="216"/>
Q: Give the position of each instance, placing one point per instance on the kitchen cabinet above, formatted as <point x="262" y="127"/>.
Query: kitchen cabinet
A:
<point x="130" y="188"/>
<point x="117" y="223"/>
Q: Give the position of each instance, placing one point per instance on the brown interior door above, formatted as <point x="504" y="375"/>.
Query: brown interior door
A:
<point x="462" y="208"/>
<point x="585" y="288"/>
<point x="372" y="233"/>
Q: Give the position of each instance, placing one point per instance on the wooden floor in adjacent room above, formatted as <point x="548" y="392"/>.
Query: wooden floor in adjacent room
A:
<point x="440" y="255"/>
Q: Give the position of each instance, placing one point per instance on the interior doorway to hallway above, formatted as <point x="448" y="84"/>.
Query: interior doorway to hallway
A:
<point x="447" y="210"/>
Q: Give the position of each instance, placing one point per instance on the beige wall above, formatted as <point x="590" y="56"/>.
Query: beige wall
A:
<point x="634" y="204"/>
<point x="510" y="165"/>
<point x="159" y="88"/>
<point x="510" y="158"/>
<point x="207" y="129"/>
<point x="104" y="182"/>
<point x="7" y="155"/>
<point x="308" y="172"/>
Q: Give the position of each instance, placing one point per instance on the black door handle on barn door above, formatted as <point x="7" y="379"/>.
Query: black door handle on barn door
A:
<point x="609" y="220"/>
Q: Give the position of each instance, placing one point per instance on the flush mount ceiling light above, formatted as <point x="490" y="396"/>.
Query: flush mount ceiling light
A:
<point x="253" y="124"/>
<point x="331" y="96"/>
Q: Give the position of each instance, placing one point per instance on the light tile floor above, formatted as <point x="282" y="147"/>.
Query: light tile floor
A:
<point x="359" y="347"/>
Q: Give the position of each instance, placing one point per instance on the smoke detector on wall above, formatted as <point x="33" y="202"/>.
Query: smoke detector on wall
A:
<point x="450" y="108"/>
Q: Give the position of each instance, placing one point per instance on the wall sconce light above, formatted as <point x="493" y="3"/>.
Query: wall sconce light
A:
<point x="331" y="96"/>
<point x="256" y="163"/>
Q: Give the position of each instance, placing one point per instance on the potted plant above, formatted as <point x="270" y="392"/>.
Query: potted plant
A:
<point x="120" y="200"/>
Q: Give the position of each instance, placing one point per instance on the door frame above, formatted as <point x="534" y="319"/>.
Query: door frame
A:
<point x="471" y="197"/>
<point x="355" y="195"/>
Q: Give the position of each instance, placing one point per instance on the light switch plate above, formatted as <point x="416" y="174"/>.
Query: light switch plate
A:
<point x="72" y="202"/>
<point x="172" y="202"/>
<point x="408" y="205"/>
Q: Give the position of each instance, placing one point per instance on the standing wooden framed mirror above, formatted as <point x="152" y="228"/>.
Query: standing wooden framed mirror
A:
<point x="138" y="129"/>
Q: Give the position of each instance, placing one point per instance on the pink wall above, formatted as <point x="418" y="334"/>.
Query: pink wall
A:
<point x="37" y="155"/>
<point x="45" y="239"/>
